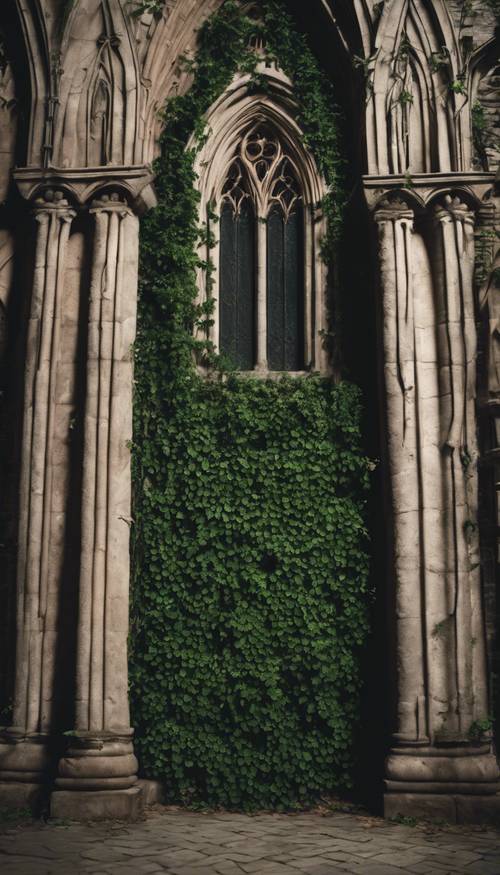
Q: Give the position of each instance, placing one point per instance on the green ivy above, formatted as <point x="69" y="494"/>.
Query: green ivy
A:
<point x="494" y="5"/>
<point x="250" y="564"/>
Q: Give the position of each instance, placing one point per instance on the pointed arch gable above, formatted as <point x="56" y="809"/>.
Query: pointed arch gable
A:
<point x="234" y="113"/>
<point x="26" y="34"/>
<point x="424" y="32"/>
<point x="232" y="124"/>
<point x="98" y="54"/>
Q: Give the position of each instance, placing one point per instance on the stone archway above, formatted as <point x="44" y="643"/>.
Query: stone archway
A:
<point x="100" y="104"/>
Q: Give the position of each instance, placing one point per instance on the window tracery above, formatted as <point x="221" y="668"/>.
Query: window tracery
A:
<point x="234" y="191"/>
<point x="268" y="281"/>
<point x="261" y="181"/>
<point x="271" y="174"/>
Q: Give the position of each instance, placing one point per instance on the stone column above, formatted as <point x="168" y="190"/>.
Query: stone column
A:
<point x="395" y="226"/>
<point x="443" y="767"/>
<point x="24" y="748"/>
<point x="486" y="271"/>
<point x="453" y="273"/>
<point x="96" y="778"/>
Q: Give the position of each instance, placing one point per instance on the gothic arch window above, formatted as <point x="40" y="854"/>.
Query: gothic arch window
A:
<point x="261" y="312"/>
<point x="269" y="279"/>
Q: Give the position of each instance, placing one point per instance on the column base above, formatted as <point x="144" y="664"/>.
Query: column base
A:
<point x="98" y="761"/>
<point x="444" y="765"/>
<point x="26" y="760"/>
<point x="444" y="807"/>
<point x="14" y="794"/>
<point x="97" y="778"/>
<point x="458" y="783"/>
<point x="153" y="792"/>
<point x="97" y="804"/>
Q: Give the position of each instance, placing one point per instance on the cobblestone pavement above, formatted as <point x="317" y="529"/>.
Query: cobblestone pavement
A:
<point x="184" y="843"/>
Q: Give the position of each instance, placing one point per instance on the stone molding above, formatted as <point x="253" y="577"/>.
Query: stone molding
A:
<point x="100" y="758"/>
<point x="24" y="755"/>
<point x="421" y="188"/>
<point x="34" y="669"/>
<point x="102" y="672"/>
<point x="82" y="185"/>
<point x="427" y="299"/>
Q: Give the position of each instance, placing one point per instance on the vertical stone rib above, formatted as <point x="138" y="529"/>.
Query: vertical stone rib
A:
<point x="101" y="755"/>
<point x="103" y="474"/>
<point x="261" y="294"/>
<point x="308" y="289"/>
<point x="116" y="708"/>
<point x="22" y="659"/>
<point x="47" y="518"/>
<point x="394" y="221"/>
<point x="89" y="483"/>
<point x="443" y="513"/>
<point x="103" y="620"/>
<point x="53" y="220"/>
<point x="457" y="353"/>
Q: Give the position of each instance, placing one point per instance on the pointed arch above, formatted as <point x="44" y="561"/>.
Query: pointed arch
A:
<point x="355" y="22"/>
<point x="173" y="35"/>
<point x="8" y="126"/>
<point x="484" y="100"/>
<point x="163" y="39"/>
<point x="100" y="89"/>
<point x="418" y="62"/>
<point x="254" y="165"/>
<point x="27" y="36"/>
<point x="236" y="112"/>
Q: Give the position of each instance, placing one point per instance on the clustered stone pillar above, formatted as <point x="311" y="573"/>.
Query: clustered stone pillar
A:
<point x="99" y="771"/>
<point x="441" y="763"/>
<point x="97" y="775"/>
<point x="453" y="271"/>
<point x="24" y="748"/>
<point x="395" y="224"/>
<point x="487" y="272"/>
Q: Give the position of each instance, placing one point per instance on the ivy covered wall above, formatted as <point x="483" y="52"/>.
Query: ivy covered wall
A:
<point x="250" y="595"/>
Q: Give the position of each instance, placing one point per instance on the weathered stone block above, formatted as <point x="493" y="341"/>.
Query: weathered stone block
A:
<point x="152" y="791"/>
<point x="439" y="806"/>
<point x="427" y="806"/>
<point x="478" y="809"/>
<point x="97" y="805"/>
<point x="15" y="794"/>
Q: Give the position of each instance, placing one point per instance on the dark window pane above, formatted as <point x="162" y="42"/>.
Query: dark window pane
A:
<point x="237" y="286"/>
<point x="275" y="290"/>
<point x="285" y="291"/>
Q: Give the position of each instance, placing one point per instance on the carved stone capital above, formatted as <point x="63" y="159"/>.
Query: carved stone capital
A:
<point x="134" y="184"/>
<point x="422" y="188"/>
<point x="451" y="207"/>
<point x="392" y="208"/>
<point x="112" y="201"/>
<point x="52" y="202"/>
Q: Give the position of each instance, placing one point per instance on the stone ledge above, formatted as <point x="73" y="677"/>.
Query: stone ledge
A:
<point x="152" y="791"/>
<point x="16" y="794"/>
<point x="97" y="804"/>
<point x="451" y="808"/>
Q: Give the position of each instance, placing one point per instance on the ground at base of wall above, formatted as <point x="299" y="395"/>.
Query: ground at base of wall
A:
<point x="216" y="843"/>
<point x="444" y="807"/>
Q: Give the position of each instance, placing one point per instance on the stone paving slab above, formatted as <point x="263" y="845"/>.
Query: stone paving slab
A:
<point x="186" y="843"/>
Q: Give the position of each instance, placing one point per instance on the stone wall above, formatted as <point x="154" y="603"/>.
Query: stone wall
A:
<point x="8" y="455"/>
<point x="90" y="79"/>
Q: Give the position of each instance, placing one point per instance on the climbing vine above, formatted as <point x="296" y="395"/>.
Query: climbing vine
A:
<point x="494" y="5"/>
<point x="249" y="597"/>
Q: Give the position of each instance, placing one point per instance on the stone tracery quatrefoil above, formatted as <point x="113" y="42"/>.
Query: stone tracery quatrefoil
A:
<point x="262" y="166"/>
